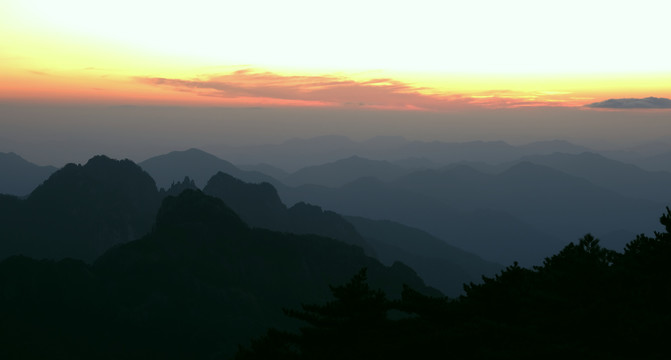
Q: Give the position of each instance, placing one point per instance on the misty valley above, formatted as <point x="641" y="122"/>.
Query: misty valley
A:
<point x="329" y="248"/>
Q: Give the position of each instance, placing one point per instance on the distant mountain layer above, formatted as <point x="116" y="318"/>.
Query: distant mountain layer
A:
<point x="494" y="235"/>
<point x="296" y="154"/>
<point x="441" y="265"/>
<point x="196" y="287"/>
<point x="523" y="211"/>
<point x="196" y="164"/>
<point x="626" y="179"/>
<point x="553" y="201"/>
<point x="632" y="103"/>
<point x="19" y="176"/>
<point x="343" y="171"/>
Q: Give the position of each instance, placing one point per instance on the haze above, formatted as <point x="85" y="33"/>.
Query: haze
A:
<point x="55" y="135"/>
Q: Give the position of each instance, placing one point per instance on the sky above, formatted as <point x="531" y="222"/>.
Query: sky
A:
<point x="426" y="55"/>
<point x="438" y="57"/>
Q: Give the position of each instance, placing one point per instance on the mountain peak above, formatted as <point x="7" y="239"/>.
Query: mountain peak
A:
<point x="195" y="163"/>
<point x="257" y="204"/>
<point x="98" y="174"/>
<point x="264" y="192"/>
<point x="192" y="209"/>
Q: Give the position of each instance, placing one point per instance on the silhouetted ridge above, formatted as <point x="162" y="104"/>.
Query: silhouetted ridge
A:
<point x="260" y="206"/>
<point x="238" y="191"/>
<point x="192" y="207"/>
<point x="257" y="204"/>
<point x="100" y="175"/>
<point x="177" y="187"/>
<point x="82" y="210"/>
<point x="311" y="219"/>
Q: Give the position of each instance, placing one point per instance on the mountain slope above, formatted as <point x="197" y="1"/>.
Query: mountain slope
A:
<point x="260" y="206"/>
<point x="20" y="176"/>
<point x="441" y="265"/>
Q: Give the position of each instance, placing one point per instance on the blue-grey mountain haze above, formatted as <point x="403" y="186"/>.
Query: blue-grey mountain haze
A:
<point x="54" y="135"/>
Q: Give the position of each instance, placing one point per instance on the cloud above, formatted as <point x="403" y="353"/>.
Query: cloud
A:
<point x="315" y="90"/>
<point x="249" y="86"/>
<point x="631" y="103"/>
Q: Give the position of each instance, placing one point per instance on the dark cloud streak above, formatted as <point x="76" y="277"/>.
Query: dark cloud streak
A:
<point x="632" y="103"/>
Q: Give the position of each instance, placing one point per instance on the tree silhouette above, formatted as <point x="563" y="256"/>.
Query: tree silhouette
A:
<point x="355" y="325"/>
<point x="583" y="302"/>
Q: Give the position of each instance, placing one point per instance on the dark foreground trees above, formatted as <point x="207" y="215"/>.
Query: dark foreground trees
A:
<point x="584" y="302"/>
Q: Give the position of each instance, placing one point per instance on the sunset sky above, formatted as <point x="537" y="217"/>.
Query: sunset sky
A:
<point x="139" y="78"/>
<point x="419" y="55"/>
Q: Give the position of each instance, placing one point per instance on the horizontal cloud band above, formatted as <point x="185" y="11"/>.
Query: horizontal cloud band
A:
<point x="327" y="90"/>
<point x="631" y="103"/>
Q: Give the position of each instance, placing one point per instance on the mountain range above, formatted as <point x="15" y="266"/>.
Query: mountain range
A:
<point x="494" y="235"/>
<point x="296" y="154"/>
<point x="523" y="200"/>
<point x="585" y="192"/>
<point x="97" y="261"/>
<point x="83" y="210"/>
<point x="200" y="283"/>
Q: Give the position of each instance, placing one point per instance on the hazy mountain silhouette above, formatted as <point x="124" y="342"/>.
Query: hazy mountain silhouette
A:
<point x="267" y="169"/>
<point x="441" y="265"/>
<point x="20" y="176"/>
<point x="658" y="162"/>
<point x="196" y="164"/>
<point x="560" y="204"/>
<point x="494" y="235"/>
<point x="198" y="285"/>
<point x="551" y="147"/>
<point x="484" y="151"/>
<point x="343" y="171"/>
<point x="296" y="154"/>
<point x="626" y="179"/>
<point x="260" y="206"/>
<point x="80" y="211"/>
<point x="292" y="154"/>
<point x="416" y="163"/>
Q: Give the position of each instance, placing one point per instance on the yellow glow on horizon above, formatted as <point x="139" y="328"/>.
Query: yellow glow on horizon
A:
<point x="569" y="53"/>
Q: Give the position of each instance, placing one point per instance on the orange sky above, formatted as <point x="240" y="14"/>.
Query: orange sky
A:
<point x="143" y="52"/>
